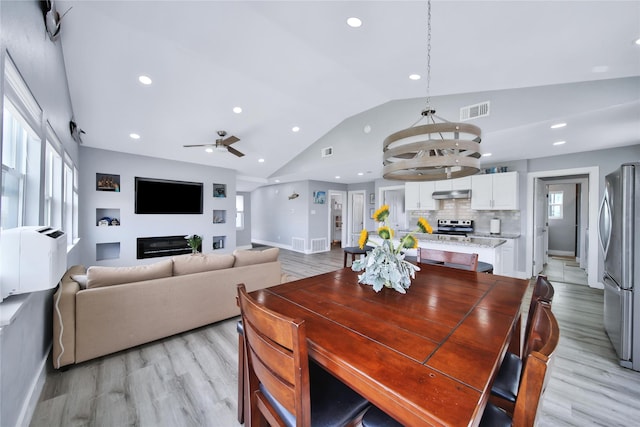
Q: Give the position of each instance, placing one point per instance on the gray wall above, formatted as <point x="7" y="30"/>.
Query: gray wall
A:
<point x="24" y="344"/>
<point x="562" y="232"/>
<point x="128" y="166"/>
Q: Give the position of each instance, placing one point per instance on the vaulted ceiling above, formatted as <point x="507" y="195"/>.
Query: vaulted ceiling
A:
<point x="298" y="63"/>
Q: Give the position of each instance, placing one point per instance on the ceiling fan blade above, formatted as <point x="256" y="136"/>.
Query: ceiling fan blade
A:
<point x="200" y="145"/>
<point x="234" y="151"/>
<point x="230" y="140"/>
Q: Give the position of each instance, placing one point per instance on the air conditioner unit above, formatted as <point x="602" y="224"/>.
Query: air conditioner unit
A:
<point x="31" y="259"/>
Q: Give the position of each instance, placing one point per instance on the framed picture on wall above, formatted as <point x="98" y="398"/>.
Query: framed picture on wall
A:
<point x="107" y="182"/>
<point x="372" y="198"/>
<point x="319" y="197"/>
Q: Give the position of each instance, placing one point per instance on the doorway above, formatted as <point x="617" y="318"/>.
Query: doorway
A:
<point x="356" y="216"/>
<point x="337" y="231"/>
<point x="393" y="196"/>
<point x="537" y="237"/>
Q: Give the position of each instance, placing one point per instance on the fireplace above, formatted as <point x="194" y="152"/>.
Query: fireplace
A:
<point x="151" y="247"/>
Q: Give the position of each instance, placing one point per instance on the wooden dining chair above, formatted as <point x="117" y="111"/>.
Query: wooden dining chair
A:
<point x="285" y="388"/>
<point x="542" y="344"/>
<point x="505" y="386"/>
<point x="448" y="258"/>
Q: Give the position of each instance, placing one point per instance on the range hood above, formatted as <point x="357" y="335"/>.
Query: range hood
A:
<point x="452" y="194"/>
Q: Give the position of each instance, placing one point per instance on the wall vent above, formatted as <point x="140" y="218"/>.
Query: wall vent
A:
<point x="318" y="245"/>
<point x="474" y="111"/>
<point x="326" y="152"/>
<point x="297" y="244"/>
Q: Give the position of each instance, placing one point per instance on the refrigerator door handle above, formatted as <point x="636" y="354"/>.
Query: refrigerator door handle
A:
<point x="605" y="209"/>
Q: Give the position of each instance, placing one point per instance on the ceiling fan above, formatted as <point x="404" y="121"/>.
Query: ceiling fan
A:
<point x="222" y="144"/>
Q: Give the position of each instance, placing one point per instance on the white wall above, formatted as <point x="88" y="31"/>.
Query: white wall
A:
<point x="132" y="225"/>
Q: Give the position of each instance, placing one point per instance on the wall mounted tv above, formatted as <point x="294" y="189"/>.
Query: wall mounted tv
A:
<point x="162" y="196"/>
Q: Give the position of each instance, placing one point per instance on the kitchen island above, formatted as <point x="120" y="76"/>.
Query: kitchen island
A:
<point x="488" y="250"/>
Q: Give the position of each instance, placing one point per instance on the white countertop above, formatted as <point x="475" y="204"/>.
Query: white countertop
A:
<point x="486" y="234"/>
<point x="457" y="240"/>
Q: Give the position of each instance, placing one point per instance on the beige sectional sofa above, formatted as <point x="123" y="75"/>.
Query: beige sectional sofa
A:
<point x="102" y="310"/>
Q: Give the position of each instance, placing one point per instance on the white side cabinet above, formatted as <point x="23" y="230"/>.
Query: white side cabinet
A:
<point x="418" y="196"/>
<point x="498" y="191"/>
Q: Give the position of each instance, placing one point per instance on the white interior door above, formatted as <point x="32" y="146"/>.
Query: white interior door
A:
<point x="540" y="232"/>
<point x="395" y="199"/>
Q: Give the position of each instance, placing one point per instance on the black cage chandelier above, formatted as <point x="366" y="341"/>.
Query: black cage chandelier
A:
<point x="432" y="151"/>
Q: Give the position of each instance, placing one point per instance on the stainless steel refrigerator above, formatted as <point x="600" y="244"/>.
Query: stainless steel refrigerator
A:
<point x="618" y="228"/>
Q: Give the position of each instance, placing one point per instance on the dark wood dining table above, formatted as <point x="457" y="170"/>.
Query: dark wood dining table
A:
<point x="427" y="357"/>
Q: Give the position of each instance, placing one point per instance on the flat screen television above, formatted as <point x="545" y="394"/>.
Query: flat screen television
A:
<point x="162" y="196"/>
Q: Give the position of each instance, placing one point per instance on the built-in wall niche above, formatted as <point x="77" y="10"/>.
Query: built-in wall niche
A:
<point x="107" y="217"/>
<point x="220" y="190"/>
<point x="106" y="251"/>
<point x="218" y="242"/>
<point x="219" y="216"/>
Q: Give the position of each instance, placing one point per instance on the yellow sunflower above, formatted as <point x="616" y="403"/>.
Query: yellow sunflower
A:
<point x="424" y="226"/>
<point x="409" y="242"/>
<point x="364" y="238"/>
<point x="381" y="214"/>
<point x="385" y="232"/>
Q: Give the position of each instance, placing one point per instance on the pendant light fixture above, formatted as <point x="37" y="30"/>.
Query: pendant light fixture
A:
<point x="432" y="151"/>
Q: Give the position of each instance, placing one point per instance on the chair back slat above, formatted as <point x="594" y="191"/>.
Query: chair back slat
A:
<point x="542" y="291"/>
<point x="543" y="341"/>
<point x="276" y="357"/>
<point x="448" y="257"/>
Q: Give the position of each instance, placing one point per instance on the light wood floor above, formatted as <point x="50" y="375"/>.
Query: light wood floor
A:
<point x="190" y="379"/>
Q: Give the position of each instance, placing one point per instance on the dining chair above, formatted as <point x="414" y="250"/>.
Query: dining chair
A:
<point x="241" y="372"/>
<point x="449" y="259"/>
<point x="285" y="388"/>
<point x="542" y="343"/>
<point x="505" y="386"/>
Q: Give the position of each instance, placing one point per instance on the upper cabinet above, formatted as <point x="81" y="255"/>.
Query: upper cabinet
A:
<point x="417" y="196"/>
<point x="498" y="191"/>
<point x="453" y="184"/>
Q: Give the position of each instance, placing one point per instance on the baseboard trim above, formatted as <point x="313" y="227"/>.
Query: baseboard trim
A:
<point x="562" y="253"/>
<point x="32" y="398"/>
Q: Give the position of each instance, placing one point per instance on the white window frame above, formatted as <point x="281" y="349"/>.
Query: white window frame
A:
<point x="239" y="212"/>
<point x="556" y="204"/>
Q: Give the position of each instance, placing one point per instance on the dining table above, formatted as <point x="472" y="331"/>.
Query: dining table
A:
<point x="427" y="357"/>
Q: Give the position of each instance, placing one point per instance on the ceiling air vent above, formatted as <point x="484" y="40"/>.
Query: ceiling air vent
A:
<point x="474" y="111"/>
<point x="326" y="152"/>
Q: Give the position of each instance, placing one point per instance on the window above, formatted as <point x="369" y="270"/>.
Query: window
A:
<point x="17" y="136"/>
<point x="52" y="187"/>
<point x="555" y="204"/>
<point x="239" y="212"/>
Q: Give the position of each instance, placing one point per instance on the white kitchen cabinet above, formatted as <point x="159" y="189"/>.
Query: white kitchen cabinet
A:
<point x="498" y="191"/>
<point x="418" y="196"/>
<point x="453" y="184"/>
<point x="508" y="267"/>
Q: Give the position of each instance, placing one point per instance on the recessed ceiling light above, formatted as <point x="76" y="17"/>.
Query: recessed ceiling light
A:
<point x="600" y="69"/>
<point x="209" y="150"/>
<point x="295" y="129"/>
<point x="486" y="155"/>
<point x="558" y="125"/>
<point x="367" y="129"/>
<point x="145" y="80"/>
<point x="260" y="160"/>
<point x="559" y="142"/>
<point x="414" y="76"/>
<point x="237" y="110"/>
<point x="277" y="180"/>
<point x="360" y="173"/>
<point x="637" y="41"/>
<point x="134" y="136"/>
<point x="354" y="22"/>
<point x="337" y="176"/>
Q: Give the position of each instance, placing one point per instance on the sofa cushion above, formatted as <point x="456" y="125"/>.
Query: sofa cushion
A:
<point x="197" y="263"/>
<point x="249" y="257"/>
<point x="98" y="276"/>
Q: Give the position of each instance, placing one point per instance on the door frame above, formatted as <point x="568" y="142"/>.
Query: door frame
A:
<point x="593" y="173"/>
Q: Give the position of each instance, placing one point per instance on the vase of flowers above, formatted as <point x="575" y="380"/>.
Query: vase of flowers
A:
<point x="384" y="265"/>
<point x="194" y="241"/>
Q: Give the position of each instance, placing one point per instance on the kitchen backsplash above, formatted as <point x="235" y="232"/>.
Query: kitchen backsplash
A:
<point x="461" y="209"/>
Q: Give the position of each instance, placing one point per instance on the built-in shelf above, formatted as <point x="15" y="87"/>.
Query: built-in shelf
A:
<point x="219" y="242"/>
<point x="219" y="216"/>
<point x="105" y="251"/>
<point x="219" y="190"/>
<point x="107" y="217"/>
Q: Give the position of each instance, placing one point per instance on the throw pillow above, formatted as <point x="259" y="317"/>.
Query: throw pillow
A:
<point x="98" y="276"/>
<point x="81" y="279"/>
<point x="249" y="257"/>
<point x="197" y="263"/>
